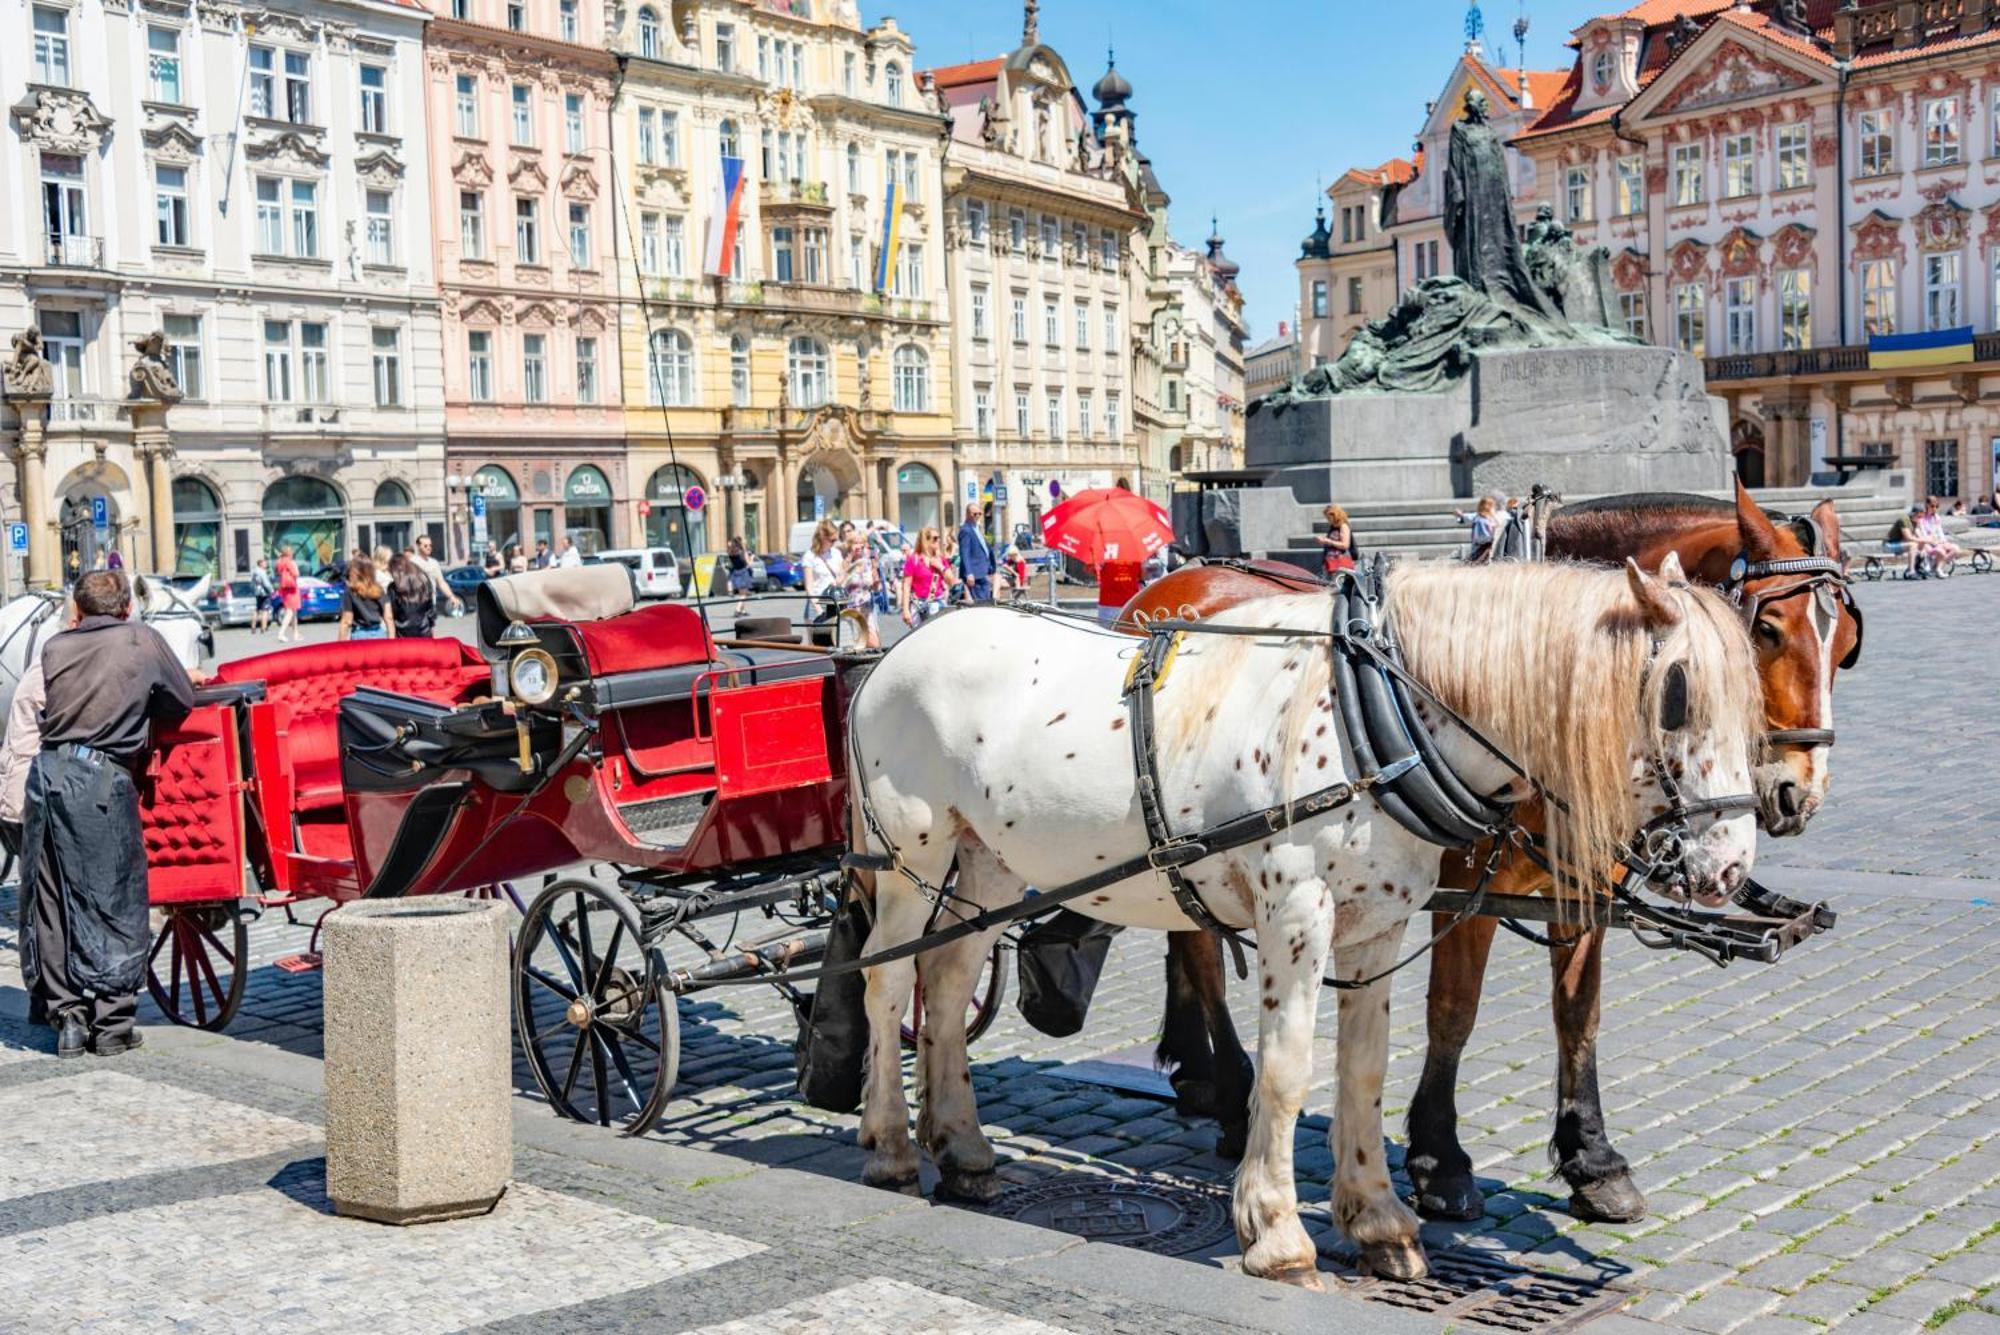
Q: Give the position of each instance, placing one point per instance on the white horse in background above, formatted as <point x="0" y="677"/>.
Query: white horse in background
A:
<point x="27" y="622"/>
<point x="999" y="740"/>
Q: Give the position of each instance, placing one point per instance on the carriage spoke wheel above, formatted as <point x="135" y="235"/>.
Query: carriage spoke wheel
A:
<point x="980" y="1012"/>
<point x="595" y="1017"/>
<point x="198" y="965"/>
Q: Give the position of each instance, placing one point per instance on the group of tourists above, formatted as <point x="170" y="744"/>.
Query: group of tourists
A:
<point x="78" y="735"/>
<point x="386" y="594"/>
<point x="516" y="559"/>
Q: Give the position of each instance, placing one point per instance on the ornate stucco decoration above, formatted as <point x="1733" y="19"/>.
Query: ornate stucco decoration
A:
<point x="472" y="169"/>
<point x="1793" y="248"/>
<point x="172" y="142"/>
<point x="60" y="120"/>
<point x="527" y="174"/>
<point x="1687" y="260"/>
<point x="27" y="373"/>
<point x="1628" y="271"/>
<point x="537" y="315"/>
<point x="276" y="25"/>
<point x="1876" y="237"/>
<point x="150" y="377"/>
<point x="218" y="16"/>
<point x="1739" y="253"/>
<point x="287" y="149"/>
<point x="578" y="182"/>
<point x="1942" y="225"/>
<point x="1732" y="74"/>
<point x="1989" y="236"/>
<point x="379" y="169"/>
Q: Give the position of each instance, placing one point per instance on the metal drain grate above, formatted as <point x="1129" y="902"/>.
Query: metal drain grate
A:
<point x="1491" y="1295"/>
<point x="1170" y="1218"/>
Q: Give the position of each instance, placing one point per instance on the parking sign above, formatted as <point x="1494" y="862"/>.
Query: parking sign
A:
<point x="17" y="538"/>
<point x="100" y="512"/>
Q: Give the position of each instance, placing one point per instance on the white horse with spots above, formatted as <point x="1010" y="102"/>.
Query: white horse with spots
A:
<point x="998" y="740"/>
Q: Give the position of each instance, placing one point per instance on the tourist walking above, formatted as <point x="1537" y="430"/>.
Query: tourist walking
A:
<point x="739" y="574"/>
<point x="412" y="601"/>
<point x="1337" y="543"/>
<point x="265" y="594"/>
<point x="975" y="557"/>
<point x="440" y="588"/>
<point x="1485" y="528"/>
<point x="289" y="596"/>
<point x="926" y="580"/>
<point x="109" y="681"/>
<point x="364" y="610"/>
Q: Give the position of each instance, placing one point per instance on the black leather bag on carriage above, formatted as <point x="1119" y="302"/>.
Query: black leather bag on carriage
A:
<point x="1060" y="961"/>
<point x="833" y="1021"/>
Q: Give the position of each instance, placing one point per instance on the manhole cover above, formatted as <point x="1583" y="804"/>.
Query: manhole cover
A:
<point x="1492" y="1295"/>
<point x="1169" y="1218"/>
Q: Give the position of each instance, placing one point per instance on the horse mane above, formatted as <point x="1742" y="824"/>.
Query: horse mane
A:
<point x="1549" y="660"/>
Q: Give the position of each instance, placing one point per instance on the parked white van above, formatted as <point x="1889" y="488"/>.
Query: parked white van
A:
<point x="656" y="571"/>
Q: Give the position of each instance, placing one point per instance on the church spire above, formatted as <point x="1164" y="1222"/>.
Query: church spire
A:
<point x="1475" y="27"/>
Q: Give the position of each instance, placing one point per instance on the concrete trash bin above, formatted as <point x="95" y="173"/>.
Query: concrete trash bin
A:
<point x="419" y="1059"/>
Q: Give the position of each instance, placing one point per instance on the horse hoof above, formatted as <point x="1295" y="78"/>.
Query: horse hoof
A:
<point x="1195" y="1098"/>
<point x="1453" y="1198"/>
<point x="982" y="1188"/>
<point x="1611" y="1200"/>
<point x="903" y="1183"/>
<point x="1230" y="1143"/>
<point x="1299" y="1276"/>
<point x="1395" y="1260"/>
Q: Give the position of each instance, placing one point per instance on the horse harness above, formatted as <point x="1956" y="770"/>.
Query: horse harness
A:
<point x="1820" y="574"/>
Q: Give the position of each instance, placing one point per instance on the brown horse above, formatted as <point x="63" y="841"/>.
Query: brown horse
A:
<point x="1798" y="651"/>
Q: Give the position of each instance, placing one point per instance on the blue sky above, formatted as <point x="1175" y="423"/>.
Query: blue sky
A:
<point x="1245" y="106"/>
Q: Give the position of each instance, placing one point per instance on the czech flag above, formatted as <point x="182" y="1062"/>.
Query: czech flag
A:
<point x="892" y="236"/>
<point x="1938" y="347"/>
<point x="728" y="217"/>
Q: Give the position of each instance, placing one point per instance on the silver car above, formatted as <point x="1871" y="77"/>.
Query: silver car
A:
<point x="231" y="604"/>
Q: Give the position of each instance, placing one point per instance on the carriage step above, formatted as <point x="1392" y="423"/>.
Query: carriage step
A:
<point x="868" y="862"/>
<point x="306" y="961"/>
<point x="665" y="822"/>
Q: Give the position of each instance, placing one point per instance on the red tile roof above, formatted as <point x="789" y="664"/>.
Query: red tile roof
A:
<point x="1543" y="85"/>
<point x="979" y="71"/>
<point x="1396" y="171"/>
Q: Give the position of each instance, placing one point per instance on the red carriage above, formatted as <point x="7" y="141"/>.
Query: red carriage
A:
<point x="708" y="772"/>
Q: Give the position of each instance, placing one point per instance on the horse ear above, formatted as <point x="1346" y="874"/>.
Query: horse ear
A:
<point x="1656" y="605"/>
<point x="1671" y="570"/>
<point x="1828" y="520"/>
<point x="1760" y="537"/>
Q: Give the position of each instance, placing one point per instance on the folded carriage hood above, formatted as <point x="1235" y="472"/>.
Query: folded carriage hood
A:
<point x="574" y="593"/>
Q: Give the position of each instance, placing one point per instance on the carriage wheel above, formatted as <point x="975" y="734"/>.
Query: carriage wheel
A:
<point x="195" y="977"/>
<point x="600" y="1027"/>
<point x="980" y="1012"/>
<point x="1871" y="568"/>
<point x="1982" y="561"/>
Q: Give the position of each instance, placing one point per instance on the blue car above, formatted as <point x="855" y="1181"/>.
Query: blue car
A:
<point x="783" y="572"/>
<point x="319" y="599"/>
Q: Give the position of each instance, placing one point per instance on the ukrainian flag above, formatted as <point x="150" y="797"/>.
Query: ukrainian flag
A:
<point x="1938" y="347"/>
<point x="892" y="236"/>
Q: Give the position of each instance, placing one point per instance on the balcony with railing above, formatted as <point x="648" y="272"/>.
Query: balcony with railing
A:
<point x="1847" y="357"/>
<point x="1902" y="24"/>
<point x="81" y="413"/>
<point x="301" y="418"/>
<point x="795" y="194"/>
<point x="63" y="251"/>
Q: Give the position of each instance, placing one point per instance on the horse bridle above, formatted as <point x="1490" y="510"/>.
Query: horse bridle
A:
<point x="1824" y="577"/>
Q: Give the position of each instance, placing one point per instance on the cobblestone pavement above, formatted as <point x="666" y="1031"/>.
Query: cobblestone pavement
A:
<point x="1819" y="1140"/>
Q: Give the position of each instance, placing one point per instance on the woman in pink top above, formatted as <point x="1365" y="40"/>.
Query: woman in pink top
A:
<point x="925" y="583"/>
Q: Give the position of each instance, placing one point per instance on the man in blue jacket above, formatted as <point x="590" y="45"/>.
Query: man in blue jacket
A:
<point x="975" y="557"/>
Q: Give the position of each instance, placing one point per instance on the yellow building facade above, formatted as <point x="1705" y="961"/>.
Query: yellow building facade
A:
<point x="795" y="386"/>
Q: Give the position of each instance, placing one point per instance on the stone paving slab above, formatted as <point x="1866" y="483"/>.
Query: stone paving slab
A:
<point x="877" y="1305"/>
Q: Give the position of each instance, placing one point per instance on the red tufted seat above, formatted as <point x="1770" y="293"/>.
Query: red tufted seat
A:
<point x="310" y="680"/>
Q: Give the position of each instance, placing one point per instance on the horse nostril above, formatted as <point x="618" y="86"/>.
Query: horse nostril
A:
<point x="1791" y="798"/>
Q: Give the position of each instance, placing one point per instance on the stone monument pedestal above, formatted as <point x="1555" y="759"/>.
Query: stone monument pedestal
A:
<point x="1585" y="420"/>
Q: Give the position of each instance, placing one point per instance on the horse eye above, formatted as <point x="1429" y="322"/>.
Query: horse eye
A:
<point x="1770" y="634"/>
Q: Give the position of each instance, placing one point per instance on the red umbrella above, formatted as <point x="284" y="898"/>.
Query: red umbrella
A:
<point x="1107" y="524"/>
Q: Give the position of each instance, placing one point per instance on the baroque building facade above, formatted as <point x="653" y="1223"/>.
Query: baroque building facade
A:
<point x="809" y="380"/>
<point x="1043" y="213"/>
<point x="250" y="183"/>
<point x="519" y="94"/>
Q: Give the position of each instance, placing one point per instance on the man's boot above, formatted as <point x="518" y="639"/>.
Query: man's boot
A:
<point x="72" y="1034"/>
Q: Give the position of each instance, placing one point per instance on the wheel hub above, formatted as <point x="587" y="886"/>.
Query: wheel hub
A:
<point x="578" y="1013"/>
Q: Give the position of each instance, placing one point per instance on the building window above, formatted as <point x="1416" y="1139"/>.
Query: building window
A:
<point x="1055" y="415"/>
<point x="1111" y="416"/>
<point x="1603" y="66"/>
<point x="566" y="20"/>
<point x="909" y="268"/>
<point x="527" y="232"/>
<point x="184" y="352"/>
<point x="726" y="136"/>
<point x="1051" y="322"/>
<point x="1576" y="194"/>
<point x="1111" y="331"/>
<point x="1051" y="238"/>
<point x="725" y="47"/>
<point x="579" y="236"/>
<point x="170" y="205"/>
<point x="1794" y="156"/>
<point x="649" y="243"/>
<point x="912" y="375"/>
<point x="975" y="221"/>
<point x="471" y="225"/>
<point x="263" y="82"/>
<point x="374" y="99"/>
<point x="1017" y="230"/>
<point x="1993" y="116"/>
<point x="1021" y="413"/>
<point x="461" y="10"/>
<point x="1083" y="413"/>
<point x="1108" y="250"/>
<point x="1941" y="132"/>
<point x="51" y="46"/>
<point x="1353" y="296"/>
<point x="298" y="88"/>
<point x="649" y="136"/>
<point x="1739" y="166"/>
<point x="1424" y="257"/>
<point x="807" y="368"/>
<point x="163" y="63"/>
<point x="649" y="32"/>
<point x="671" y="370"/>
<point x="586" y="370"/>
<point x="1943" y="303"/>
<point x="1020" y="320"/>
<point x="305" y="220"/>
<point x="381" y="227"/>
<point x="1082" y="325"/>
<point x="892" y="84"/>
<point x="1346" y="226"/>
<point x="982" y="412"/>
<point x="524" y="114"/>
<point x="674" y="246"/>
<point x="468" y="106"/>
<point x="979" y="329"/>
<point x="784" y="255"/>
<point x="1173" y="396"/>
<point x="1687" y="174"/>
<point x="1795" y="309"/>
<point x="763" y="57"/>
<point x="535" y="368"/>
<point x="670" y="138"/>
<point x="739" y="371"/>
<point x="1878" y="296"/>
<point x="847" y="73"/>
<point x="1941" y="468"/>
<point x="278" y="361"/>
<point x="314" y="382"/>
<point x="388" y="367"/>
<point x="1739" y="310"/>
<point x="573" y="135"/>
<point x="1632" y="310"/>
<point x="62" y="336"/>
<point x="1690" y="318"/>
<point x="1631" y="185"/>
<point x="270" y="216"/>
<point x="1319" y="298"/>
<point x="1874" y="144"/>
<point x="517" y="15"/>
<point x="479" y="365"/>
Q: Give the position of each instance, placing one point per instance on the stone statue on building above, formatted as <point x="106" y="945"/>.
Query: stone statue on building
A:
<point x="151" y="377"/>
<point x="990" y="117"/>
<point x="28" y="374"/>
